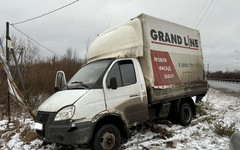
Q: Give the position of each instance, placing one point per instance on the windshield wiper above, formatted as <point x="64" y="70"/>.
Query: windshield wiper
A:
<point x="80" y="82"/>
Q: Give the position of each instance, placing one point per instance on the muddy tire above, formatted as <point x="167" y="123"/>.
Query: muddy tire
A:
<point x="107" y="138"/>
<point x="186" y="114"/>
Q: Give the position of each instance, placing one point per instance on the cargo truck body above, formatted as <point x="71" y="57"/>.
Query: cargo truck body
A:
<point x="142" y="70"/>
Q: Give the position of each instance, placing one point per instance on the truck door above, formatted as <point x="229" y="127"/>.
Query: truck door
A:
<point x="129" y="97"/>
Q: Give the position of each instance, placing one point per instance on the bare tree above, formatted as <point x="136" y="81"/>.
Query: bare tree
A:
<point x="25" y="50"/>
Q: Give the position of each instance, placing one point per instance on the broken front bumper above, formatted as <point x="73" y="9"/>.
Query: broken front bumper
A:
<point x="63" y="132"/>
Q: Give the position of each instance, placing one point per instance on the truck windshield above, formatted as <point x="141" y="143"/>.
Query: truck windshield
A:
<point x="89" y="76"/>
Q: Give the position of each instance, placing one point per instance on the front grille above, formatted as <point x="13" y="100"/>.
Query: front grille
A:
<point x="44" y="118"/>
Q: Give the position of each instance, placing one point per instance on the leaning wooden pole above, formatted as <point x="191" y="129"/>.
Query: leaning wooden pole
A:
<point x="12" y="83"/>
<point x="14" y="87"/>
<point x="7" y="58"/>
<point x="19" y="74"/>
<point x="22" y="98"/>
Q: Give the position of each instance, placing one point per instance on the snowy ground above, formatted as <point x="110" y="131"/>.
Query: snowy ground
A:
<point x="222" y="111"/>
<point x="219" y="116"/>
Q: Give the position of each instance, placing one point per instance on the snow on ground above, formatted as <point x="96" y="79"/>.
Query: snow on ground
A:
<point x="10" y="135"/>
<point x="222" y="111"/>
<point x="218" y="113"/>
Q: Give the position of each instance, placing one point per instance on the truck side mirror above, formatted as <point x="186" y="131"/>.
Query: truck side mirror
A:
<point x="113" y="83"/>
<point x="60" y="81"/>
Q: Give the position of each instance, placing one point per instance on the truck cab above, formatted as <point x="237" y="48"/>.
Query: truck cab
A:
<point x="108" y="92"/>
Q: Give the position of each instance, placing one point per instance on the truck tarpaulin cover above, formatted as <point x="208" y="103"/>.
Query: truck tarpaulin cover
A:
<point x="123" y="40"/>
<point x="170" y="54"/>
<point x="174" y="53"/>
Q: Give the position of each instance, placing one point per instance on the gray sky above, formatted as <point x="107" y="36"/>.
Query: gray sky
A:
<point x="77" y="25"/>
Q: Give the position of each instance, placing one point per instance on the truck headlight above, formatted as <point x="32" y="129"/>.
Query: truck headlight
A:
<point x="65" y="113"/>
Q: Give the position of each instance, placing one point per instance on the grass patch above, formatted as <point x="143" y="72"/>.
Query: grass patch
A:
<point x="201" y="109"/>
<point x="223" y="129"/>
<point x="170" y="144"/>
<point x="10" y="130"/>
<point x="28" y="135"/>
<point x="162" y="132"/>
<point x="209" y="119"/>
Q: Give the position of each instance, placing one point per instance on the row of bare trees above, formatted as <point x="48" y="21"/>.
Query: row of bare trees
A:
<point x="224" y="75"/>
<point x="38" y="73"/>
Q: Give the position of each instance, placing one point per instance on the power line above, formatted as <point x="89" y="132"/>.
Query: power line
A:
<point x="237" y="51"/>
<point x="45" y="13"/>
<point x="199" y="15"/>
<point x="34" y="40"/>
<point x="210" y="11"/>
<point x="204" y="13"/>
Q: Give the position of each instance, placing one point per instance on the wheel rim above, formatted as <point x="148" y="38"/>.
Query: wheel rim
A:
<point x="108" y="141"/>
<point x="186" y="115"/>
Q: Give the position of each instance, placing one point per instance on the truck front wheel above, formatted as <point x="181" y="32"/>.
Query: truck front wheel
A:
<point x="107" y="138"/>
<point x="185" y="114"/>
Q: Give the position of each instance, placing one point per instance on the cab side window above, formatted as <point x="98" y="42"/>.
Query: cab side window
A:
<point x="124" y="73"/>
<point x="127" y="72"/>
<point x="114" y="72"/>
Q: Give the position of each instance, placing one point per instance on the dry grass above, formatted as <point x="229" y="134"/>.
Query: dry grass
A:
<point x="223" y="129"/>
<point x="11" y="130"/>
<point x="201" y="109"/>
<point x="170" y="144"/>
<point x="40" y="77"/>
<point x="28" y="135"/>
<point x="210" y="119"/>
<point x="39" y="81"/>
<point x="162" y="132"/>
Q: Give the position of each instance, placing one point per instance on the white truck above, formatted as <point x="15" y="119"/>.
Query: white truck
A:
<point x="142" y="70"/>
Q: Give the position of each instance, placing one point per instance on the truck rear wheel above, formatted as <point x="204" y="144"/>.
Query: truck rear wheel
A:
<point x="185" y="114"/>
<point x="107" y="138"/>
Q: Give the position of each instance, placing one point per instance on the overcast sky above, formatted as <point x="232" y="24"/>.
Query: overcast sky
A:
<point x="77" y="25"/>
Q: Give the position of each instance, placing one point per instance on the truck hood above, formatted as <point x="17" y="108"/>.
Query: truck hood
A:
<point x="61" y="99"/>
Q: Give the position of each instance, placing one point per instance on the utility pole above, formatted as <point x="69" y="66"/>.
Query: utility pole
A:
<point x="7" y="57"/>
<point x="207" y="70"/>
<point x="7" y="37"/>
